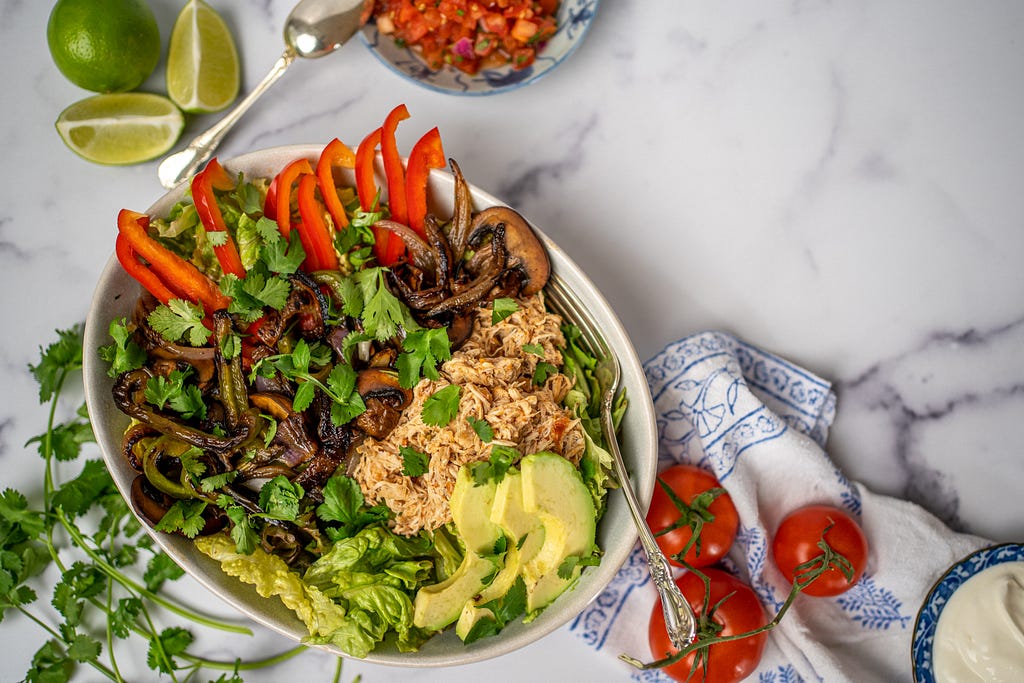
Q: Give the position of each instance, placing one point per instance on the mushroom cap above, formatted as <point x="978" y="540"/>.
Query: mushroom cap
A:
<point x="526" y="253"/>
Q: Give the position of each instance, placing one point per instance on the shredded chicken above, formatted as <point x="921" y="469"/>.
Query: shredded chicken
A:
<point x="496" y="377"/>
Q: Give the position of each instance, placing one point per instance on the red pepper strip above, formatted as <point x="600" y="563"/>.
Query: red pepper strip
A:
<point x="365" y="185"/>
<point x="335" y="153"/>
<point x="426" y="154"/>
<point x="313" y="230"/>
<point x="367" y="189"/>
<point x="177" y="274"/>
<point x="203" y="184"/>
<point x="281" y="202"/>
<point x="393" y="168"/>
<point x="140" y="271"/>
<point x="395" y="173"/>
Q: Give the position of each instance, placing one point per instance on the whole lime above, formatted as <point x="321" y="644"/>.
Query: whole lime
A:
<point x="104" y="45"/>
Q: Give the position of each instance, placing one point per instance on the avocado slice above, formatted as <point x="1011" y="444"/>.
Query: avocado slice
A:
<point x="471" y="505"/>
<point x="554" y="491"/>
<point x="438" y="605"/>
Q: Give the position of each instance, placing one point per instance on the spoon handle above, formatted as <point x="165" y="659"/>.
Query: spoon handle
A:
<point x="187" y="162"/>
<point x="680" y="621"/>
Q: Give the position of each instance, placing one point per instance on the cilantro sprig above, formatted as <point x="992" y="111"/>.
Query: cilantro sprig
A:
<point x="297" y="366"/>
<point x="110" y="576"/>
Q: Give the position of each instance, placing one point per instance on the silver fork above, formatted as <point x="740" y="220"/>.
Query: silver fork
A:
<point x="679" y="618"/>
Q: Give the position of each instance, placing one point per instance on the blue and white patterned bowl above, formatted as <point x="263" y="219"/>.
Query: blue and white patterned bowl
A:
<point x="931" y="610"/>
<point x="574" y="18"/>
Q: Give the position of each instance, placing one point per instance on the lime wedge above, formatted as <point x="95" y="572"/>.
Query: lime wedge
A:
<point x="202" y="62"/>
<point x="121" y="128"/>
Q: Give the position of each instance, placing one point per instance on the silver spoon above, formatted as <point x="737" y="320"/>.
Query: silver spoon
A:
<point x="313" y="29"/>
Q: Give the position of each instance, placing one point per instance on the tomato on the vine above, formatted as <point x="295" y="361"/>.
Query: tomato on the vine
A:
<point x="796" y="544"/>
<point x="698" y="507"/>
<point x="740" y="612"/>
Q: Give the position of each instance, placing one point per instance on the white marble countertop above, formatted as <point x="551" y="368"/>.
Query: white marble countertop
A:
<point x="840" y="183"/>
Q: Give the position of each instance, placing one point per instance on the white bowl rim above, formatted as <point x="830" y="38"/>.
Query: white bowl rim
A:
<point x="639" y="437"/>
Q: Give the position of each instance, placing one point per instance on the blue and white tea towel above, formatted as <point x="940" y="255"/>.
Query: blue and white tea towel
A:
<point x="760" y="423"/>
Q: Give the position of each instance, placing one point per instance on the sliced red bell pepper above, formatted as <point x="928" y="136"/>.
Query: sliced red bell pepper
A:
<point x="365" y="185"/>
<point x="313" y="230"/>
<point x="177" y="275"/>
<point x="426" y="154"/>
<point x="203" y="184"/>
<point x="393" y="168"/>
<point x="336" y="153"/>
<point x="278" y="205"/>
<point x="140" y="272"/>
<point x="393" y="246"/>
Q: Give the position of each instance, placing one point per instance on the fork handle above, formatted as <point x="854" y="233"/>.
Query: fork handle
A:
<point x="680" y="622"/>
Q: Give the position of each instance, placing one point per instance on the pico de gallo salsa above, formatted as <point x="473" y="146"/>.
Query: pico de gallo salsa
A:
<point x="469" y="34"/>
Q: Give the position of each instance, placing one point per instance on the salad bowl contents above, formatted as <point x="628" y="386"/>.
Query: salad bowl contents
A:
<point x="476" y="48"/>
<point x="329" y="383"/>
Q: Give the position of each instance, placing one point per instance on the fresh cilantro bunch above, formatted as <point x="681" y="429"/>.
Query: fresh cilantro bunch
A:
<point x="108" y="595"/>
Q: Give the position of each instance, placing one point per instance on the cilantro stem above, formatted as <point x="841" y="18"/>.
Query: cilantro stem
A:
<point x="248" y="665"/>
<point x="118" y="576"/>
<point x="60" y="638"/>
<point x="109" y="629"/>
<point x="705" y="626"/>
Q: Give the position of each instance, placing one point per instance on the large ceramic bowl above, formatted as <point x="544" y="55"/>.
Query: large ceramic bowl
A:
<point x="574" y="17"/>
<point x="922" y="645"/>
<point x="115" y="297"/>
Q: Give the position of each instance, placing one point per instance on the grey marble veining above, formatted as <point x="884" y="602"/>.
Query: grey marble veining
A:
<point x="839" y="183"/>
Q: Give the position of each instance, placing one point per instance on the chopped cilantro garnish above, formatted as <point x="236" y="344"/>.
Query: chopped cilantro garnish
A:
<point x="180" y="318"/>
<point x="441" y="407"/>
<point x="124" y="354"/>
<point x="482" y="429"/>
<point x="424" y="349"/>
<point x="502" y="308"/>
<point x="414" y="462"/>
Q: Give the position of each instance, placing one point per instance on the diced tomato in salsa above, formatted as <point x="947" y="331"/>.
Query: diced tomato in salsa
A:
<point x="470" y="34"/>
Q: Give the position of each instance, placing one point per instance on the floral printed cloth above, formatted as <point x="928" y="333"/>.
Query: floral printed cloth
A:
<point x="761" y="423"/>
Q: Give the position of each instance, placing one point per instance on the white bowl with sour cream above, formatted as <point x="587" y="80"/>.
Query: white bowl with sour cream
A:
<point x="971" y="625"/>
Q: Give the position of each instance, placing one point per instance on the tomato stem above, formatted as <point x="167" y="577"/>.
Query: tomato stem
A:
<point x="708" y="629"/>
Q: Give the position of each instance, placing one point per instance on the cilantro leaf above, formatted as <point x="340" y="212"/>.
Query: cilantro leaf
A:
<point x="442" y="406"/>
<point x="77" y="495"/>
<point x="16" y="516"/>
<point x="281" y="256"/>
<point x="482" y="428"/>
<point x="382" y="312"/>
<point x="242" y="533"/>
<point x="344" y="503"/>
<point x="496" y="466"/>
<point x="425" y="348"/>
<point x="159" y="569"/>
<point x="565" y="569"/>
<point x="279" y="498"/>
<point x="414" y="462"/>
<point x="508" y="607"/>
<point x="535" y="349"/>
<point x="502" y="308"/>
<point x="177" y="319"/>
<point x="124" y="354"/>
<point x="59" y="358"/>
<point x="543" y="371"/>
<point x="162" y="649"/>
<point x="185" y="516"/>
<point x="171" y="390"/>
<point x="122" y="619"/>
<point x="348" y="404"/>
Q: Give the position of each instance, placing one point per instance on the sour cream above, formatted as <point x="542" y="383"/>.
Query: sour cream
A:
<point x="980" y="634"/>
